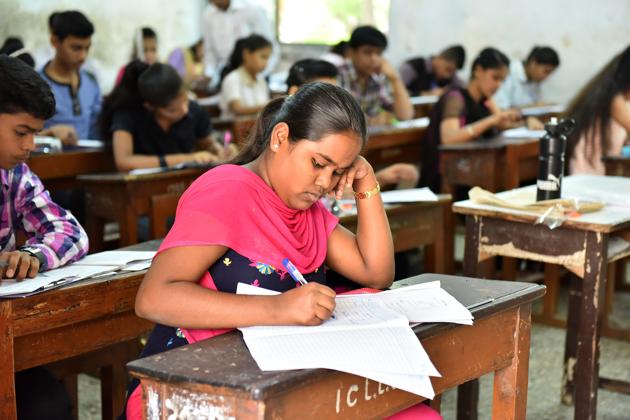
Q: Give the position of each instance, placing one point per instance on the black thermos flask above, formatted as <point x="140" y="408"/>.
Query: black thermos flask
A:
<point x="551" y="158"/>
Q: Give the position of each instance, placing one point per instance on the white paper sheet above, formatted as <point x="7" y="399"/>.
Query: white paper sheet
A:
<point x="523" y="133"/>
<point x="116" y="258"/>
<point x="535" y="111"/>
<point x="370" y="336"/>
<point x="412" y="195"/>
<point x="92" y="144"/>
<point x="52" y="278"/>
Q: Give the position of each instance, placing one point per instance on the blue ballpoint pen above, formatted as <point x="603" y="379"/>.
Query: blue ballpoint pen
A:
<point x="293" y="271"/>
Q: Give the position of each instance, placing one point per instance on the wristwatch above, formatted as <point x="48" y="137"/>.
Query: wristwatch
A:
<point x="35" y="252"/>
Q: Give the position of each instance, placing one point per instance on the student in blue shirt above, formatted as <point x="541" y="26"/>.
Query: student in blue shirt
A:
<point x="76" y="91"/>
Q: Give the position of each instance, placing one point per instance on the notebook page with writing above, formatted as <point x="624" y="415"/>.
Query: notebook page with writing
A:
<point x="385" y="349"/>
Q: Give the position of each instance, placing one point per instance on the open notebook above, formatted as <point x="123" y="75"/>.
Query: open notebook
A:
<point x="369" y="336"/>
<point x="94" y="265"/>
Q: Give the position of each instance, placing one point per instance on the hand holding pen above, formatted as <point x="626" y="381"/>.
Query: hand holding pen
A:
<point x="308" y="304"/>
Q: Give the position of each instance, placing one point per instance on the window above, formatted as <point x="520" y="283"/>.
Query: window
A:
<point x="327" y="21"/>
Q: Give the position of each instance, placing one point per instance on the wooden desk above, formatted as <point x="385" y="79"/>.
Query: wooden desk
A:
<point x="423" y="105"/>
<point x="86" y="317"/>
<point x="617" y="165"/>
<point x="495" y="164"/>
<point x="388" y="144"/>
<point x="581" y="245"/>
<point x="123" y="198"/>
<point x="219" y="376"/>
<point x="59" y="170"/>
<point x="419" y="224"/>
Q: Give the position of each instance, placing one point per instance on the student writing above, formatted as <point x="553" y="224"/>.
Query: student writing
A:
<point x="431" y="75"/>
<point x="152" y="122"/>
<point x="466" y="113"/>
<point x="53" y="236"/>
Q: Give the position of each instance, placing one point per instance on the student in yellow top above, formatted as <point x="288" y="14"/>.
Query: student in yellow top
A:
<point x="244" y="91"/>
<point x="188" y="61"/>
<point x="602" y="114"/>
<point x="313" y="70"/>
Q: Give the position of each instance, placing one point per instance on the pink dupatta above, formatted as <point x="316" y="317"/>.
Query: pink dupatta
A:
<point x="233" y="207"/>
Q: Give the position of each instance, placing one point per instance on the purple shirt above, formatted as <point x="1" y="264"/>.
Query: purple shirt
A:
<point x="26" y="205"/>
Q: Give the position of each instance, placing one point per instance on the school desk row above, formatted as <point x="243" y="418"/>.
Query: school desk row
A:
<point x="92" y="325"/>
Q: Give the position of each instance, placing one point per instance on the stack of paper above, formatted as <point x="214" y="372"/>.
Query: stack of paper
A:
<point x="411" y="195"/>
<point x="95" y="265"/>
<point x="523" y="133"/>
<point x="369" y="336"/>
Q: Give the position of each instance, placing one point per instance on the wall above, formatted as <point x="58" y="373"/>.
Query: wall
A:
<point x="586" y="33"/>
<point x="176" y="22"/>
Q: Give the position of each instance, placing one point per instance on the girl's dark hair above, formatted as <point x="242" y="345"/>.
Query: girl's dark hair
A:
<point x="193" y="50"/>
<point x="489" y="58"/>
<point x="158" y="84"/>
<point x="309" y="69"/>
<point x="315" y="111"/>
<point x="455" y="54"/>
<point x="591" y="108"/>
<point x="544" y="55"/>
<point x="14" y="45"/>
<point x="251" y="43"/>
<point x="340" y="48"/>
<point x="147" y="33"/>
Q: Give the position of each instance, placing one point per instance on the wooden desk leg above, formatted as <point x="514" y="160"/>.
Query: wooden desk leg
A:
<point x="468" y="393"/>
<point x="7" y="372"/>
<point x="509" y="268"/>
<point x="552" y="283"/>
<point x="446" y="238"/>
<point x="510" y="383"/>
<point x="128" y="228"/>
<point x="438" y="256"/>
<point x="570" y="346"/>
<point x="114" y="379"/>
<point x="95" y="229"/>
<point x="589" y="327"/>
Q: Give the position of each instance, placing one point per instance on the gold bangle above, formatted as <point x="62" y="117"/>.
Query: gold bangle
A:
<point x="369" y="193"/>
<point x="470" y="130"/>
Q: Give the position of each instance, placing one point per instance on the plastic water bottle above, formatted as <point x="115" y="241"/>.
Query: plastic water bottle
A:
<point x="551" y="158"/>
